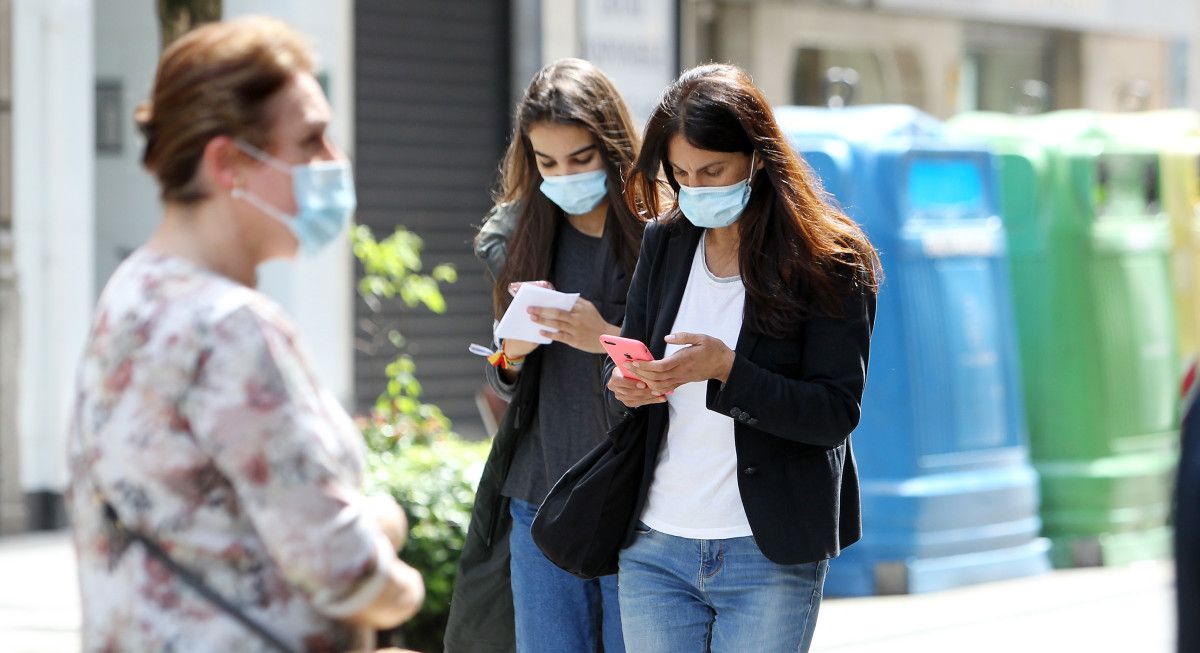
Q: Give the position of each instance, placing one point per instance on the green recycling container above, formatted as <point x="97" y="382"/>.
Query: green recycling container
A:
<point x="1089" y="250"/>
<point x="1175" y="135"/>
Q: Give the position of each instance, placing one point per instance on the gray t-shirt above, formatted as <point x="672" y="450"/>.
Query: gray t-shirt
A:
<point x="571" y="418"/>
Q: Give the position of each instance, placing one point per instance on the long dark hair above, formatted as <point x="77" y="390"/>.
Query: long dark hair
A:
<point x="572" y="92"/>
<point x="798" y="255"/>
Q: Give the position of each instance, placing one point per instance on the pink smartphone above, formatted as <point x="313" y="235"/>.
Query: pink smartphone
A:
<point x="624" y="350"/>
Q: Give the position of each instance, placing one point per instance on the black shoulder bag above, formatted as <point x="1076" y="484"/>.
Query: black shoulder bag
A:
<point x="583" y="521"/>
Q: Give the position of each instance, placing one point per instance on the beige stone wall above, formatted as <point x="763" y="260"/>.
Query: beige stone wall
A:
<point x="1112" y="62"/>
<point x="763" y="37"/>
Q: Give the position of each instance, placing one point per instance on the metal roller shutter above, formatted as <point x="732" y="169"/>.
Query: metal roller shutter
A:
<point x="432" y="107"/>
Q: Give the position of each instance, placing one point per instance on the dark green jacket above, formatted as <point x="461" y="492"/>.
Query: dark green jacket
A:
<point x="481" y="608"/>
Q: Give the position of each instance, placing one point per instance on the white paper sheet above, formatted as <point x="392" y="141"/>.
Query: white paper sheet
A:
<point x="518" y="325"/>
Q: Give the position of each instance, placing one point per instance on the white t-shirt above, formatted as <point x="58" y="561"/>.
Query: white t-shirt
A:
<point x="695" y="489"/>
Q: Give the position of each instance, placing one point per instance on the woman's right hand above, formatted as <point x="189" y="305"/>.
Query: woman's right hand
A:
<point x="391" y="519"/>
<point x="632" y="393"/>
<point x="398" y="600"/>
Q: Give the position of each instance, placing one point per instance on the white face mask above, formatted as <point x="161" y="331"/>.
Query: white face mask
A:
<point x="576" y="194"/>
<point x="324" y="193"/>
<point x="713" y="207"/>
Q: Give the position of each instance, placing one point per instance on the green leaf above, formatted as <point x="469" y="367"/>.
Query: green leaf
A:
<point x="445" y="273"/>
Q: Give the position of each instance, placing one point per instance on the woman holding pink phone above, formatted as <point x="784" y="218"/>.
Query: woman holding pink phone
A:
<point x="758" y="300"/>
<point x="560" y="219"/>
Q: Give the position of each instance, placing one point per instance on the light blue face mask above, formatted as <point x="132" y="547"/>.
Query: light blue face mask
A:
<point x="325" y="198"/>
<point x="713" y="207"/>
<point x="576" y="194"/>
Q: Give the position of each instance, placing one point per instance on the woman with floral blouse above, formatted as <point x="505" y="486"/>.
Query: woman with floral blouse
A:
<point x="198" y="421"/>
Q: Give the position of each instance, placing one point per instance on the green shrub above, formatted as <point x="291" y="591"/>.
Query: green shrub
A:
<point x="413" y="454"/>
<point x="392" y="270"/>
<point x="433" y="478"/>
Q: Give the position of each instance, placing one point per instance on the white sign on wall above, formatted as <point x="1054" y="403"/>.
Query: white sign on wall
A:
<point x="635" y="42"/>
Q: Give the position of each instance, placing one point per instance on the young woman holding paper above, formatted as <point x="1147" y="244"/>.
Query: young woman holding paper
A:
<point x="559" y="219"/>
<point x="758" y="299"/>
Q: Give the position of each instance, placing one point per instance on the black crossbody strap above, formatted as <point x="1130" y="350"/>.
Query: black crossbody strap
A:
<point x="193" y="581"/>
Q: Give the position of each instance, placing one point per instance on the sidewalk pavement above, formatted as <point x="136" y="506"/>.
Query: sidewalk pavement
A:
<point x="39" y="595"/>
<point x="1120" y="610"/>
<point x="1127" y="609"/>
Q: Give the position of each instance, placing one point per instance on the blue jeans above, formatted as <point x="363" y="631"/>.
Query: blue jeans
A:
<point x="557" y="612"/>
<point x="680" y="595"/>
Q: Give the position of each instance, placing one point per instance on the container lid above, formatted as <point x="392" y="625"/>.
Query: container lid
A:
<point x="862" y="123"/>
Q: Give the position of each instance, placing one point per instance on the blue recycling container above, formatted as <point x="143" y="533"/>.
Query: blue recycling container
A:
<point x="949" y="495"/>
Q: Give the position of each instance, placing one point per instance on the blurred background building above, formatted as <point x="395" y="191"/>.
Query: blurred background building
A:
<point x="948" y="56"/>
<point x="422" y="92"/>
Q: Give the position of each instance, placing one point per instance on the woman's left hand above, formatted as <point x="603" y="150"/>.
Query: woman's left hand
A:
<point x="580" y="327"/>
<point x="702" y="358"/>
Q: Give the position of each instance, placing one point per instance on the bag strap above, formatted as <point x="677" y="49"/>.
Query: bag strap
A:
<point x="192" y="580"/>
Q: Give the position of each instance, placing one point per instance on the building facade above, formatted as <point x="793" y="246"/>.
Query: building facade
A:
<point x="423" y="92"/>
<point x="81" y="202"/>
<point x="947" y="56"/>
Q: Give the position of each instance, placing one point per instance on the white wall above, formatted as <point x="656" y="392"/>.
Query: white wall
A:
<point x="1193" y="61"/>
<point x="318" y="292"/>
<point x="1111" y="61"/>
<point x="75" y="210"/>
<point x="127" y="207"/>
<point x="634" y="42"/>
<point x="53" y="170"/>
<point x="560" y="30"/>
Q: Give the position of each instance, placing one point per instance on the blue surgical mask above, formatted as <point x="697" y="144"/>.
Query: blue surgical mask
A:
<point x="325" y="199"/>
<point x="713" y="207"/>
<point x="576" y="194"/>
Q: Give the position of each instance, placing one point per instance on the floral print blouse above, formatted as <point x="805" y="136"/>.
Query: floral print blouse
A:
<point x="199" y="419"/>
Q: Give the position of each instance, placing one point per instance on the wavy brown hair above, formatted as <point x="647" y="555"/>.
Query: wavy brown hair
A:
<point x="798" y="255"/>
<point x="569" y="92"/>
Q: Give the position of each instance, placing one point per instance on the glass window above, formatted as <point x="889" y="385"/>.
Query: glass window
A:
<point x="835" y="77"/>
<point x="1126" y="185"/>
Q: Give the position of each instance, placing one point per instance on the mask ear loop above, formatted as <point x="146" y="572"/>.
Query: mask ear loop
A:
<point x="240" y="193"/>
<point x="263" y="156"/>
<point x="750" y="179"/>
<point x="259" y="203"/>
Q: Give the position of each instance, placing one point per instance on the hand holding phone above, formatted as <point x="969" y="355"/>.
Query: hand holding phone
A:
<point x="624" y="384"/>
<point x="624" y="351"/>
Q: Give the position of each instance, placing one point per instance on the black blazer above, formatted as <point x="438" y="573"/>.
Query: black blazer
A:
<point x="795" y="402"/>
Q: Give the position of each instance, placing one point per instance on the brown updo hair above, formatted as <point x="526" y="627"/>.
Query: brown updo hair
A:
<point x="215" y="81"/>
